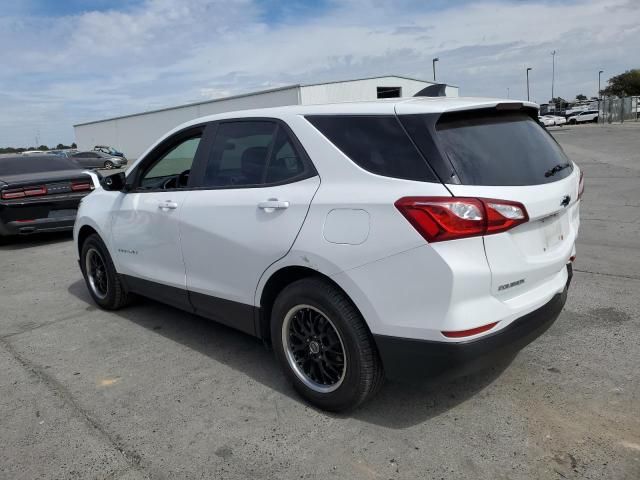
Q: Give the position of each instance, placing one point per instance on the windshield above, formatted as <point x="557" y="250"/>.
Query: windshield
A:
<point x="27" y="165"/>
<point x="501" y="149"/>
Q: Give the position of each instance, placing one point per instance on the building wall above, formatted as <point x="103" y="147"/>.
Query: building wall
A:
<point x="362" y="90"/>
<point x="134" y="134"/>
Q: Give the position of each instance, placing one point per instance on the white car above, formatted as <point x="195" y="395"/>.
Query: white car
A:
<point x="584" y="117"/>
<point x="557" y="120"/>
<point x="397" y="238"/>
<point x="546" y="121"/>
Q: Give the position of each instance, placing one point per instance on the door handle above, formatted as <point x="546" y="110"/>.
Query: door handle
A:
<point x="168" y="205"/>
<point x="273" y="204"/>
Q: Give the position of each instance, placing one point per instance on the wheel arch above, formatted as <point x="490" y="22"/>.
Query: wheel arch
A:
<point x="276" y="283"/>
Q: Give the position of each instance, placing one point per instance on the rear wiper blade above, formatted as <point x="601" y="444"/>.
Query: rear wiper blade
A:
<point x="556" y="169"/>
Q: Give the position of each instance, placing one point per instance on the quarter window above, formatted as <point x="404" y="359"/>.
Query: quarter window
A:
<point x="376" y="143"/>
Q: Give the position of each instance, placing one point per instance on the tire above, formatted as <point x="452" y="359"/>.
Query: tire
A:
<point x="106" y="289"/>
<point x="331" y="312"/>
<point x="108" y="165"/>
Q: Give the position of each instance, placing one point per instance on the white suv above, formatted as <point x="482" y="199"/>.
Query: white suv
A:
<point x="584" y="117"/>
<point x="394" y="238"/>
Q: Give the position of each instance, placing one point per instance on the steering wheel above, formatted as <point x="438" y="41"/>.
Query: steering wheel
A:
<point x="177" y="181"/>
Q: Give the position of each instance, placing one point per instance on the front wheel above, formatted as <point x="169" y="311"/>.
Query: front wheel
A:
<point x="108" y="165"/>
<point x="100" y="275"/>
<point x="323" y="345"/>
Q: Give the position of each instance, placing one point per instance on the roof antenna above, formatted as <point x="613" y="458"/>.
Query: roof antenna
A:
<point x="435" y="90"/>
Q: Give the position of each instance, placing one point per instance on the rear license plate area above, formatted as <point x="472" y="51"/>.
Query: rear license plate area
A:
<point x="554" y="230"/>
<point x="65" y="213"/>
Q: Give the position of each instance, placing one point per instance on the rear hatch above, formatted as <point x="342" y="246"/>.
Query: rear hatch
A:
<point x="503" y="153"/>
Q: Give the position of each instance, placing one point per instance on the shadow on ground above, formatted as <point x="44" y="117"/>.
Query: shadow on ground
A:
<point x="396" y="406"/>
<point x="20" y="242"/>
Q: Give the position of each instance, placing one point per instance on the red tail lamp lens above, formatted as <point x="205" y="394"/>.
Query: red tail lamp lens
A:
<point x="81" y="186"/>
<point x="448" y="218"/>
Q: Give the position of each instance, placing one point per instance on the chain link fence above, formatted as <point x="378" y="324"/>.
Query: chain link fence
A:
<point x="619" y="110"/>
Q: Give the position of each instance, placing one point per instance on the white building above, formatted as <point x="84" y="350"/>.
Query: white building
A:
<point x="133" y="134"/>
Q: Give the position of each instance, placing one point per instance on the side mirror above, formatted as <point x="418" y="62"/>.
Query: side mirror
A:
<point x="115" y="182"/>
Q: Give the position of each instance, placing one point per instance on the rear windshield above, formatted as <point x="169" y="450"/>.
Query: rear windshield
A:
<point x="28" y="164"/>
<point x="378" y="144"/>
<point x="501" y="149"/>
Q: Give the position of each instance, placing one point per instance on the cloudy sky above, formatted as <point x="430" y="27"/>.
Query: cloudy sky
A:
<point x="68" y="61"/>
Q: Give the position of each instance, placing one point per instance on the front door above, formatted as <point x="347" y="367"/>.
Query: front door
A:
<point x="145" y="226"/>
<point x="251" y="201"/>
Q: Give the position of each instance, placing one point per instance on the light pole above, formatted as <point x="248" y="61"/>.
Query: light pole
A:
<point x="434" y="67"/>
<point x="599" y="75"/>
<point x="553" y="73"/>
<point x="600" y="97"/>
<point x="528" y="68"/>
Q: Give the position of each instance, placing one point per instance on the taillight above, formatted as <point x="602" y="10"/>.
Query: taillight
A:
<point x="15" y="193"/>
<point x="81" y="186"/>
<point x="24" y="192"/>
<point x="448" y="218"/>
<point x="35" y="191"/>
<point x="581" y="185"/>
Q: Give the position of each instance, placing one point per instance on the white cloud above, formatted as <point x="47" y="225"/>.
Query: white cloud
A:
<point x="56" y="72"/>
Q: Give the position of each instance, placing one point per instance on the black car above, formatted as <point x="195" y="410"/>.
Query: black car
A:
<point x="40" y="193"/>
<point x="95" y="159"/>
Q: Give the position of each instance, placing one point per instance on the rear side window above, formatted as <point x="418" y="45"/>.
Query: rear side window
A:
<point x="377" y="144"/>
<point x="253" y="153"/>
<point x="500" y="149"/>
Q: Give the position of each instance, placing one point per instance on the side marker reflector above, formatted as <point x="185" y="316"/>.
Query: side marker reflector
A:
<point x="470" y="332"/>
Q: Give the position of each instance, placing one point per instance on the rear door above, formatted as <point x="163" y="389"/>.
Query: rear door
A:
<point x="253" y="193"/>
<point x="508" y="156"/>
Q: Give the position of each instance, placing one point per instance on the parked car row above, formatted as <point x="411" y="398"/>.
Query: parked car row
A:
<point x="102" y="156"/>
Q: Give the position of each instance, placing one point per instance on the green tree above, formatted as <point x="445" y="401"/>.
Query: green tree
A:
<point x="625" y="84"/>
<point x="559" y="102"/>
<point x="580" y="96"/>
<point x="73" y="145"/>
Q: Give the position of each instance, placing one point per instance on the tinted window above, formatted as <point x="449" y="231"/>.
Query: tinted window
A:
<point x="376" y="143"/>
<point x="285" y="162"/>
<point x="32" y="164"/>
<point x="500" y="149"/>
<point x="173" y="166"/>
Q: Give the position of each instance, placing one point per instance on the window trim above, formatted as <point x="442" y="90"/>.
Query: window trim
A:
<point x="158" y="153"/>
<point x="196" y="179"/>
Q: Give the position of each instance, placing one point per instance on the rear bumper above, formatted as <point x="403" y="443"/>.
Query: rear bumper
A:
<point x="39" y="215"/>
<point x="37" y="226"/>
<point x="408" y="359"/>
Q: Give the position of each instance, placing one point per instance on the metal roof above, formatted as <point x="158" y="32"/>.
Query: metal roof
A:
<point x="242" y="95"/>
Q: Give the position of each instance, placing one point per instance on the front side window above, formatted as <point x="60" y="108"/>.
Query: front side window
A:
<point x="172" y="169"/>
<point x="252" y="153"/>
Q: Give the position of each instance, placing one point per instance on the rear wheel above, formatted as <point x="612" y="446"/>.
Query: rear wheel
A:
<point x="108" y="165"/>
<point x="324" y="346"/>
<point x="100" y="275"/>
